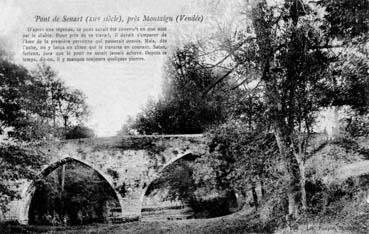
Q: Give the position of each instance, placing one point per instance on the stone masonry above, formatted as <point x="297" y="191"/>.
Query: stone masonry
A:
<point x="128" y="163"/>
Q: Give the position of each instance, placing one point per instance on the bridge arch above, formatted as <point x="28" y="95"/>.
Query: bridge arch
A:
<point x="28" y="193"/>
<point x="189" y="155"/>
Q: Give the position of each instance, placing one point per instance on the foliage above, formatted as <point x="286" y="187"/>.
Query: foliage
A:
<point x="31" y="102"/>
<point x="349" y="82"/>
<point x="324" y="163"/>
<point x="357" y="125"/>
<point x="303" y="55"/>
<point x="63" y="105"/>
<point x="291" y="47"/>
<point x="180" y="181"/>
<point x="239" y="160"/>
<point x="26" y="118"/>
<point x="19" y="100"/>
<point x="16" y="163"/>
<point x="240" y="157"/>
<point x="328" y="194"/>
<point x="346" y="18"/>
<point x="303" y="58"/>
<point x="78" y="132"/>
<point x="183" y="107"/>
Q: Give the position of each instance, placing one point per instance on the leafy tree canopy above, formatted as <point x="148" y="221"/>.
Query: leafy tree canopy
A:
<point x="29" y="107"/>
<point x="183" y="108"/>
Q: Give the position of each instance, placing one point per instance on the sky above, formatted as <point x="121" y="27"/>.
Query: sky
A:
<point x="114" y="90"/>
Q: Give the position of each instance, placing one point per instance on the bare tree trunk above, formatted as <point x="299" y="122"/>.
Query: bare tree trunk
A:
<point x="254" y="195"/>
<point x="250" y="114"/>
<point x="303" y="189"/>
<point x="54" y="112"/>
<point x="325" y="202"/>
<point x="292" y="176"/>
<point x="301" y="163"/>
<point x="262" y="189"/>
<point x="292" y="206"/>
<point x="62" y="178"/>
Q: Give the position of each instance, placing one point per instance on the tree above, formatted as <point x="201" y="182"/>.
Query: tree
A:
<point x="18" y="99"/>
<point x="296" y="54"/>
<point x="34" y="105"/>
<point x="71" y="106"/>
<point x="183" y="108"/>
<point x="25" y="116"/>
<point x="16" y="163"/>
<point x="241" y="158"/>
<point x="17" y="102"/>
<point x="346" y="19"/>
<point x="63" y="105"/>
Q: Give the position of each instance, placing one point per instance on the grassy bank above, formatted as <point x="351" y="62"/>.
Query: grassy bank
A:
<point x="236" y="223"/>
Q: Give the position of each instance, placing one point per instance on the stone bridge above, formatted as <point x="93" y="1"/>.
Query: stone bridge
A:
<point x="130" y="161"/>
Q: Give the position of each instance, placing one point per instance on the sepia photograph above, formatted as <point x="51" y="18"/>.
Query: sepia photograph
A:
<point x="184" y="116"/>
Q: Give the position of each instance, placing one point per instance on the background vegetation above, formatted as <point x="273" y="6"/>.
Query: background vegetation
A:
<point x="256" y="92"/>
<point x="270" y="79"/>
<point x="35" y="106"/>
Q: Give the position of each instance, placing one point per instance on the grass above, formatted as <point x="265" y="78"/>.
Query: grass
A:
<point x="235" y="223"/>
